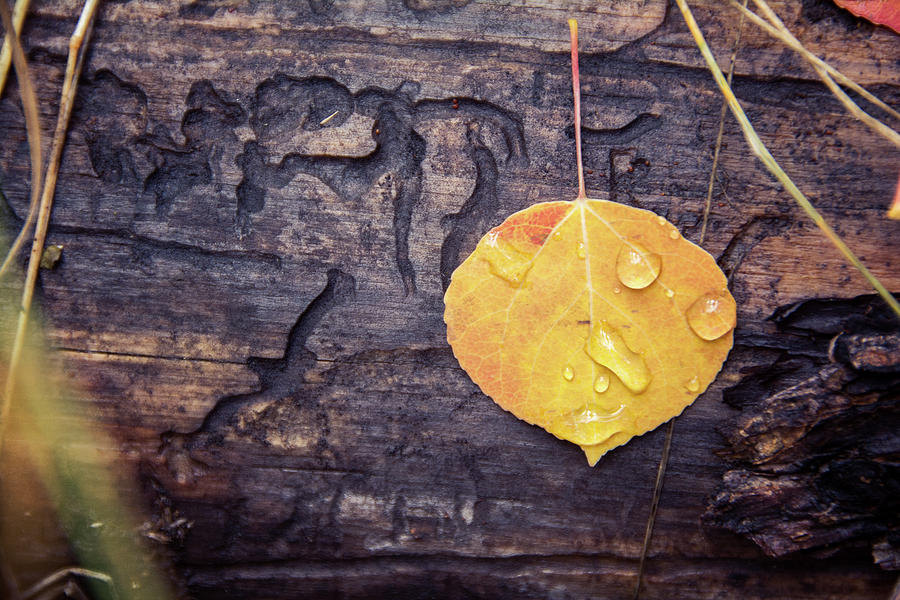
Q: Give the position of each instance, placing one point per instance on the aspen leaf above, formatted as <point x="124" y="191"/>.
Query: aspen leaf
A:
<point x="594" y="320"/>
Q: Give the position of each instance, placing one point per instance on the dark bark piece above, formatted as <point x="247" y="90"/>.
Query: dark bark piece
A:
<point x="816" y="462"/>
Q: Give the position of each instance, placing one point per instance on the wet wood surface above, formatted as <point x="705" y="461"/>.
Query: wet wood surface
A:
<point x="261" y="203"/>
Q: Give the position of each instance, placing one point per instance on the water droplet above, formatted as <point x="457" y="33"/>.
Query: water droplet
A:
<point x="601" y="383"/>
<point x="557" y="234"/>
<point x="693" y="385"/>
<point x="606" y="347"/>
<point x="568" y="373"/>
<point x="712" y="315"/>
<point x="617" y="290"/>
<point x="636" y="266"/>
<point x="674" y="234"/>
<point x="592" y="432"/>
<point x="661" y="219"/>
<point x="581" y="251"/>
<point x="587" y="424"/>
<point x="670" y="293"/>
<point x="504" y="259"/>
<point x="593" y="414"/>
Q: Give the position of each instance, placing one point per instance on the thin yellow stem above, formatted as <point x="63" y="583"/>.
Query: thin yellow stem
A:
<point x="760" y="150"/>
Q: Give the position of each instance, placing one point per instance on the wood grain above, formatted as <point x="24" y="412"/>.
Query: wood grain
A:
<point x="251" y="294"/>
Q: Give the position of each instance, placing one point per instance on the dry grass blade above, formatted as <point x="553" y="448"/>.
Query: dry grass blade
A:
<point x="795" y="44"/>
<point x="63" y="574"/>
<point x="830" y="76"/>
<point x="724" y="111"/>
<point x="32" y="127"/>
<point x="64" y="448"/>
<point x="761" y="152"/>
<point x="77" y="46"/>
<point x="18" y="19"/>
<point x="822" y="70"/>
<point x="654" y="507"/>
<point x="670" y="428"/>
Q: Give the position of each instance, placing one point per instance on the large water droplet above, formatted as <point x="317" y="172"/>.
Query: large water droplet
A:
<point x="504" y="259"/>
<point x="568" y="373"/>
<point x="601" y="383"/>
<point x="712" y="315"/>
<point x="636" y="266"/>
<point x="587" y="424"/>
<point x="607" y="347"/>
<point x="693" y="385"/>
<point x="593" y="414"/>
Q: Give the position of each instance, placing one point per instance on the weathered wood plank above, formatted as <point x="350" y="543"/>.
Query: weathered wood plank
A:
<point x="252" y="297"/>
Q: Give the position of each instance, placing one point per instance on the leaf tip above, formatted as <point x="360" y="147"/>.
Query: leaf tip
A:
<point x="594" y="453"/>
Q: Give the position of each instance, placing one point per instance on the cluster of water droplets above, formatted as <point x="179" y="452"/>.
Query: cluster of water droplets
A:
<point x="709" y="317"/>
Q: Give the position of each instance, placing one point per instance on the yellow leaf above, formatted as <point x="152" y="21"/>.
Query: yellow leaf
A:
<point x="594" y="320"/>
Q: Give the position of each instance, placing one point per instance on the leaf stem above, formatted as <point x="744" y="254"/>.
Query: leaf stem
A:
<point x="761" y="152"/>
<point x="576" y="92"/>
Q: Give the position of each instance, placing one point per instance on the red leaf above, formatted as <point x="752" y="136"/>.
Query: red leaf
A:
<point x="883" y="12"/>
